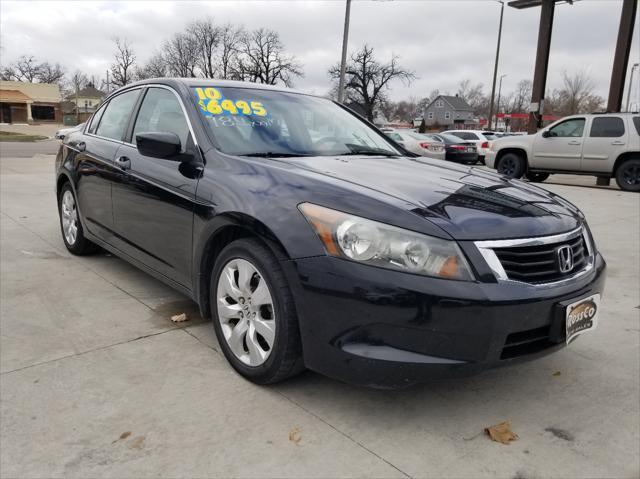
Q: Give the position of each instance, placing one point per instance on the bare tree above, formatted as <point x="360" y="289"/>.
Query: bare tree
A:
<point x="206" y="37"/>
<point x="263" y="59"/>
<point x="227" y="60"/>
<point x="575" y="96"/>
<point x="155" y="67"/>
<point x="50" y="73"/>
<point x="181" y="55"/>
<point x="474" y="96"/>
<point x="576" y="91"/>
<point x="27" y="68"/>
<point x="521" y="97"/>
<point x="367" y="79"/>
<point x="123" y="68"/>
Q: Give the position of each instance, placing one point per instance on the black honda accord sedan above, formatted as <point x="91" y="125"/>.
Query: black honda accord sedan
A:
<point x="314" y="241"/>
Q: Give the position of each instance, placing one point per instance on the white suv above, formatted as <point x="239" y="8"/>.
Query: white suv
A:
<point x="604" y="145"/>
<point x="481" y="138"/>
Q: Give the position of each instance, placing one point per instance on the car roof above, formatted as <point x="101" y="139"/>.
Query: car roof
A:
<point x="195" y="82"/>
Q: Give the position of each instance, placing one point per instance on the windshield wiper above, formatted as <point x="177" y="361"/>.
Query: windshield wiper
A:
<point x="272" y="154"/>
<point x="363" y="150"/>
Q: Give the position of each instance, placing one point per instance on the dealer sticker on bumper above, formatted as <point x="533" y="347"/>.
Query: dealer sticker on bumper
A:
<point x="582" y="316"/>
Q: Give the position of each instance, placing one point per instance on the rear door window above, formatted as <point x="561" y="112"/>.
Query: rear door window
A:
<point x="607" y="127"/>
<point x="116" y="116"/>
<point x="636" y="123"/>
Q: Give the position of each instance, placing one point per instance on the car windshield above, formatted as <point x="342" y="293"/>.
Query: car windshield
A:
<point x="264" y="123"/>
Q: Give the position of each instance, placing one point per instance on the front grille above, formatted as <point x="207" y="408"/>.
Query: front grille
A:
<point x="539" y="264"/>
<point x="526" y="342"/>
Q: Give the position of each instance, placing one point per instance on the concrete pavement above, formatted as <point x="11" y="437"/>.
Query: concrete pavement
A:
<point x="96" y="381"/>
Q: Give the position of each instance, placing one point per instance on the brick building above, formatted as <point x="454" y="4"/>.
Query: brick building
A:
<point x="22" y="102"/>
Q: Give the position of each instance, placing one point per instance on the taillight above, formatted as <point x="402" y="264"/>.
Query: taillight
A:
<point x="424" y="145"/>
<point x="484" y="144"/>
<point x="458" y="147"/>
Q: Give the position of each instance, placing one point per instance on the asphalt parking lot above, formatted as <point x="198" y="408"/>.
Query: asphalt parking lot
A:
<point x="96" y="381"/>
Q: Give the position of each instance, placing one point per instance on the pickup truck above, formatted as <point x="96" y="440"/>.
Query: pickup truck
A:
<point x="605" y="145"/>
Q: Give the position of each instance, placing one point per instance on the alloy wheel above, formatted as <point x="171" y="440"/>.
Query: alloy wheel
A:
<point x="69" y="217"/>
<point x="508" y="167"/>
<point x="631" y="175"/>
<point x="246" y="312"/>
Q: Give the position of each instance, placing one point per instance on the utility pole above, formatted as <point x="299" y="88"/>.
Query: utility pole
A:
<point x="621" y="57"/>
<point x="499" y="94"/>
<point x="495" y="67"/>
<point x="635" y="65"/>
<point x="343" y="64"/>
<point x="108" y="86"/>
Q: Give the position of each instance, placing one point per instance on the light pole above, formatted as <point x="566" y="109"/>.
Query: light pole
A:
<point x="635" y="65"/>
<point x="343" y="63"/>
<point x="499" y="94"/>
<point x="495" y="67"/>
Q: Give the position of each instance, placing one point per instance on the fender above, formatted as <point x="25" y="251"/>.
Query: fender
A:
<point x="212" y="236"/>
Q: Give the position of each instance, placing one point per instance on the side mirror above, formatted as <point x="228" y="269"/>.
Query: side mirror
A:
<point x="546" y="134"/>
<point x="163" y="145"/>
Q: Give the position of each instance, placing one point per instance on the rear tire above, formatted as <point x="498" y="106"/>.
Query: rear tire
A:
<point x="628" y="175"/>
<point x="253" y="313"/>
<point x="512" y="165"/>
<point x="536" y="177"/>
<point x="71" y="226"/>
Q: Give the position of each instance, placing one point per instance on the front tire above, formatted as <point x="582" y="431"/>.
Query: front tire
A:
<point x="512" y="165"/>
<point x="628" y="175"/>
<point x="71" y="226"/>
<point x="254" y="314"/>
<point x="536" y="177"/>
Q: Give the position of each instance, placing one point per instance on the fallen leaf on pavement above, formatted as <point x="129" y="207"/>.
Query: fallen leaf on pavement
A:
<point x="124" y="435"/>
<point x="501" y="432"/>
<point x="557" y="373"/>
<point x="178" y="318"/>
<point x="294" y="436"/>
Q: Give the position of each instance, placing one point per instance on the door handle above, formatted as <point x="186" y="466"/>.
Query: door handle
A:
<point x="574" y="142"/>
<point x="123" y="163"/>
<point x="617" y="142"/>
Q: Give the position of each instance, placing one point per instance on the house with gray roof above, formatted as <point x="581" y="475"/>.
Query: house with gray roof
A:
<point x="448" y="112"/>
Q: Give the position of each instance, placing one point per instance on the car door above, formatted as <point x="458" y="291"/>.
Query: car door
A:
<point x="94" y="154"/>
<point x="607" y="139"/>
<point x="560" y="146"/>
<point x="153" y="198"/>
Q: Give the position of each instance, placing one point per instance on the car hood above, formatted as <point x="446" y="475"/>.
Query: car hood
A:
<point x="468" y="203"/>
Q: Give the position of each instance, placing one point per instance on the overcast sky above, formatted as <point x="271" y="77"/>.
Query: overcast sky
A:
<point x="442" y="41"/>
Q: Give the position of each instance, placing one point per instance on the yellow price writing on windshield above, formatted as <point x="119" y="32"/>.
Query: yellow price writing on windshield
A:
<point x="212" y="102"/>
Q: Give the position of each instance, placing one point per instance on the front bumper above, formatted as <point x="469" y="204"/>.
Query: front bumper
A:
<point x="381" y="328"/>
<point x="490" y="158"/>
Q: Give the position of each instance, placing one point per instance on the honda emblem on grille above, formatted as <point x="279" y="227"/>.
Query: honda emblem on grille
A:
<point x="565" y="258"/>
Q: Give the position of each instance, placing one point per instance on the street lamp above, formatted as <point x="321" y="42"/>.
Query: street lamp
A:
<point x="499" y="93"/>
<point x="495" y="67"/>
<point x="343" y="63"/>
<point x="635" y="65"/>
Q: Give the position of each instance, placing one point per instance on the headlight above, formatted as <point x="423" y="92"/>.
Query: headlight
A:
<point x="378" y="244"/>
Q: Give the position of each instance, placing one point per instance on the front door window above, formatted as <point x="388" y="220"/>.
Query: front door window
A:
<point x="572" y="128"/>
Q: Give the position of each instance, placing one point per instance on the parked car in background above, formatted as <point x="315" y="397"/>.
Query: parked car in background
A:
<point x="419" y="143"/>
<point x="338" y="254"/>
<point x="603" y="145"/>
<point x="62" y="132"/>
<point x="482" y="139"/>
<point x="458" y="150"/>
